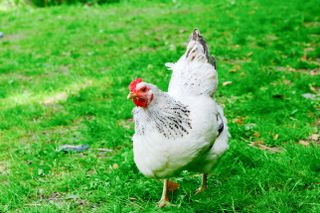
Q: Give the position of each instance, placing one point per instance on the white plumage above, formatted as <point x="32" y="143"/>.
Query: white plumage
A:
<point x="184" y="128"/>
<point x="158" y="156"/>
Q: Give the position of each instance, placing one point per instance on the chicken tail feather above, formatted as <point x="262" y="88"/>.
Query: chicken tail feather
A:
<point x="197" y="48"/>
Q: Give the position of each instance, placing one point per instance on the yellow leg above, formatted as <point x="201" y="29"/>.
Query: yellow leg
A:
<point x="203" y="184"/>
<point x="164" y="198"/>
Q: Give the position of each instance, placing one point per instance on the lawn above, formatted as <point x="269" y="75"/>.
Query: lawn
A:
<point x="64" y="75"/>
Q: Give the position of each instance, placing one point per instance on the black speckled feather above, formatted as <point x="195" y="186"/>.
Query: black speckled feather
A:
<point x="171" y="119"/>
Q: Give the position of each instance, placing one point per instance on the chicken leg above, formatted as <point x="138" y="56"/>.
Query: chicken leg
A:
<point x="164" y="198"/>
<point x="203" y="184"/>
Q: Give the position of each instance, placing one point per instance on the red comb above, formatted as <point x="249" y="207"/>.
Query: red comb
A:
<point x="134" y="83"/>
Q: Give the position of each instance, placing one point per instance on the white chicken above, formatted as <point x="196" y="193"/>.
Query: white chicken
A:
<point x="184" y="128"/>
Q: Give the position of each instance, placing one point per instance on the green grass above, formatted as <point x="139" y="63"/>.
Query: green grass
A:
<point x="64" y="73"/>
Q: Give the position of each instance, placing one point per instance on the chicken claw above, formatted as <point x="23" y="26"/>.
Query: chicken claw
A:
<point x="164" y="201"/>
<point x="203" y="186"/>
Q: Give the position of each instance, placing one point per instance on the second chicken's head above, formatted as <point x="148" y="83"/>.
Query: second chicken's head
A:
<point x="141" y="93"/>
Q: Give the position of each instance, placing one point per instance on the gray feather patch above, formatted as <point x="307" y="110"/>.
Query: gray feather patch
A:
<point x="171" y="119"/>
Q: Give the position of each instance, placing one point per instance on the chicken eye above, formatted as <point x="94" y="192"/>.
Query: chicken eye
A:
<point x="144" y="89"/>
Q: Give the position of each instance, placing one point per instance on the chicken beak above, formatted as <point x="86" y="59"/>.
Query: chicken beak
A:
<point x="131" y="95"/>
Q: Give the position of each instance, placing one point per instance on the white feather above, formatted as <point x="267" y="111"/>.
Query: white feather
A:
<point x="193" y="78"/>
<point x="157" y="156"/>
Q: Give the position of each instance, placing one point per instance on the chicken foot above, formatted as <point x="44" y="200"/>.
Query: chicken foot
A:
<point x="164" y="198"/>
<point x="203" y="185"/>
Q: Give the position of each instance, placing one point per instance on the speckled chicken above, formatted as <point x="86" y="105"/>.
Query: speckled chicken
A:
<point x="184" y="128"/>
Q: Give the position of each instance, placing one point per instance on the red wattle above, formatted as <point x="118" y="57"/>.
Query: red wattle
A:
<point x="140" y="102"/>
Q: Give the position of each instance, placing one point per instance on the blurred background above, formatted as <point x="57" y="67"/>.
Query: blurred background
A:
<point x="12" y="4"/>
<point x="66" y="126"/>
